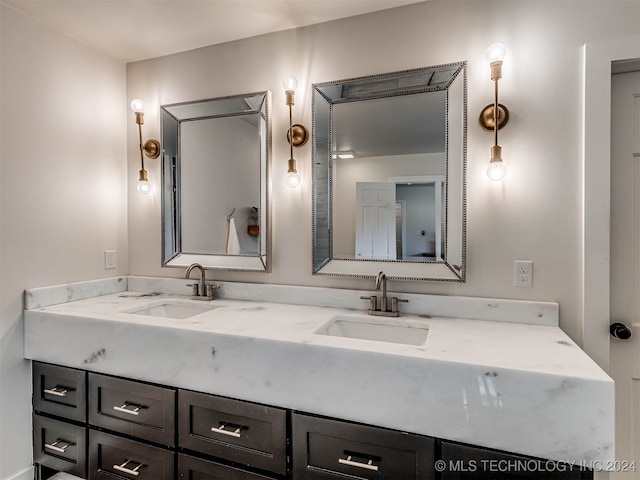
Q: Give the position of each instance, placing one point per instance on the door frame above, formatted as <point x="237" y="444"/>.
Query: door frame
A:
<point x="403" y="226"/>
<point x="596" y="191"/>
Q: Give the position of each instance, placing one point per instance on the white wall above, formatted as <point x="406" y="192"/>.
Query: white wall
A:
<point x="62" y="190"/>
<point x="534" y="214"/>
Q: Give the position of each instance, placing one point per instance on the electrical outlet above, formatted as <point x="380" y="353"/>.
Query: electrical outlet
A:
<point x="110" y="259"/>
<point x="523" y="273"/>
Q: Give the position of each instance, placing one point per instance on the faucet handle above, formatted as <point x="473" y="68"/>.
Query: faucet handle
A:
<point x="394" y="303"/>
<point x="209" y="288"/>
<point x="373" y="300"/>
<point x="195" y="289"/>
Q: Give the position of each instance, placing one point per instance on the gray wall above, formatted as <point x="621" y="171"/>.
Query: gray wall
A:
<point x="420" y="215"/>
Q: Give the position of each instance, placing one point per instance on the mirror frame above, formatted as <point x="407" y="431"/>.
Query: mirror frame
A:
<point x="172" y="256"/>
<point x="432" y="270"/>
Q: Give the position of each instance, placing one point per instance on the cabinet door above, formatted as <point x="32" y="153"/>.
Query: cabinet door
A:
<point x="60" y="445"/>
<point x="112" y="457"/>
<point x="242" y="432"/>
<point x="332" y="449"/>
<point x="133" y="408"/>
<point x="192" y="468"/>
<point x="463" y="462"/>
<point x="60" y="391"/>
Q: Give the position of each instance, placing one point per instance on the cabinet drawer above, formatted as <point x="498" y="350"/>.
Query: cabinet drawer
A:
<point x="60" y="445"/>
<point x="463" y="462"/>
<point x="60" y="391"/>
<point x="111" y="457"/>
<point x="242" y="432"/>
<point x="133" y="408"/>
<point x="332" y="449"/>
<point x="191" y="468"/>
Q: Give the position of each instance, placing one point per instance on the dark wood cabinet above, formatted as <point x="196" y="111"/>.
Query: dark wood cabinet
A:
<point x="60" y="391"/>
<point x="60" y="420"/>
<point x="332" y="449"/>
<point x="112" y="456"/>
<point x="243" y="432"/>
<point x="464" y="462"/>
<point x="60" y="445"/>
<point x="133" y="408"/>
<point x="192" y="468"/>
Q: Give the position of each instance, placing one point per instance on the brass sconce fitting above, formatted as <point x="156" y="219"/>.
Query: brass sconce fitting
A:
<point x="487" y="117"/>
<point x="300" y="135"/>
<point x="150" y="148"/>
<point x="297" y="135"/>
<point x="495" y="116"/>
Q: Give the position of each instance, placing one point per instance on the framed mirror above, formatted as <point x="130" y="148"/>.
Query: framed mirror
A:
<point x="215" y="183"/>
<point x="389" y="175"/>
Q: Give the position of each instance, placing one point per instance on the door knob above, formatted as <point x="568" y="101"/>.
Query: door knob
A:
<point x="620" y="331"/>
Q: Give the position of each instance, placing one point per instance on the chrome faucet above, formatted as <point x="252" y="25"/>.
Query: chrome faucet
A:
<point x="202" y="290"/>
<point x="381" y="284"/>
<point x="383" y="308"/>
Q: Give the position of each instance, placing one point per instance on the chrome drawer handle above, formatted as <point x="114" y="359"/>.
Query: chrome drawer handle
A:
<point x="232" y="433"/>
<point x="351" y="463"/>
<point x="64" y="444"/>
<point x="123" y="468"/>
<point x="125" y="408"/>
<point x="57" y="391"/>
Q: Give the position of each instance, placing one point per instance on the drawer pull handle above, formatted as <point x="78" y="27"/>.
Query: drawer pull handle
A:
<point x="57" y="391"/>
<point x="62" y="448"/>
<point x="232" y="433"/>
<point x="130" y="408"/>
<point x="123" y="468"/>
<point x="367" y="466"/>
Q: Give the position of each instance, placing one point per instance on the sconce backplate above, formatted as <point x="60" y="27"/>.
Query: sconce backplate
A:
<point x="300" y="135"/>
<point x="151" y="148"/>
<point x="486" y="117"/>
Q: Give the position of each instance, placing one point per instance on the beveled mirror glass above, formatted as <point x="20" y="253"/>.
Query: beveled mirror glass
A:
<point x="389" y="167"/>
<point x="215" y="183"/>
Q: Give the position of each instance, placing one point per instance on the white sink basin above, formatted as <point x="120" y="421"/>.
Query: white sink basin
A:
<point x="376" y="329"/>
<point x="173" y="310"/>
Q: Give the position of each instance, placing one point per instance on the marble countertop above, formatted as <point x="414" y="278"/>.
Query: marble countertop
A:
<point x="516" y="387"/>
<point x="530" y="348"/>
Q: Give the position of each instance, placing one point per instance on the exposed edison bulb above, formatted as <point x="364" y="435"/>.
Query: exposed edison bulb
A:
<point x="290" y="84"/>
<point x="495" y="52"/>
<point x="293" y="179"/>
<point x="144" y="187"/>
<point x="138" y="105"/>
<point x="496" y="171"/>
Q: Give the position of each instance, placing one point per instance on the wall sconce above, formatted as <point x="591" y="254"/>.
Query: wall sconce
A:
<point x="151" y="148"/>
<point x="297" y="135"/>
<point x="495" y="116"/>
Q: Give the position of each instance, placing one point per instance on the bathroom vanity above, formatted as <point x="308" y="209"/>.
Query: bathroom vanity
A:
<point x="160" y="386"/>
